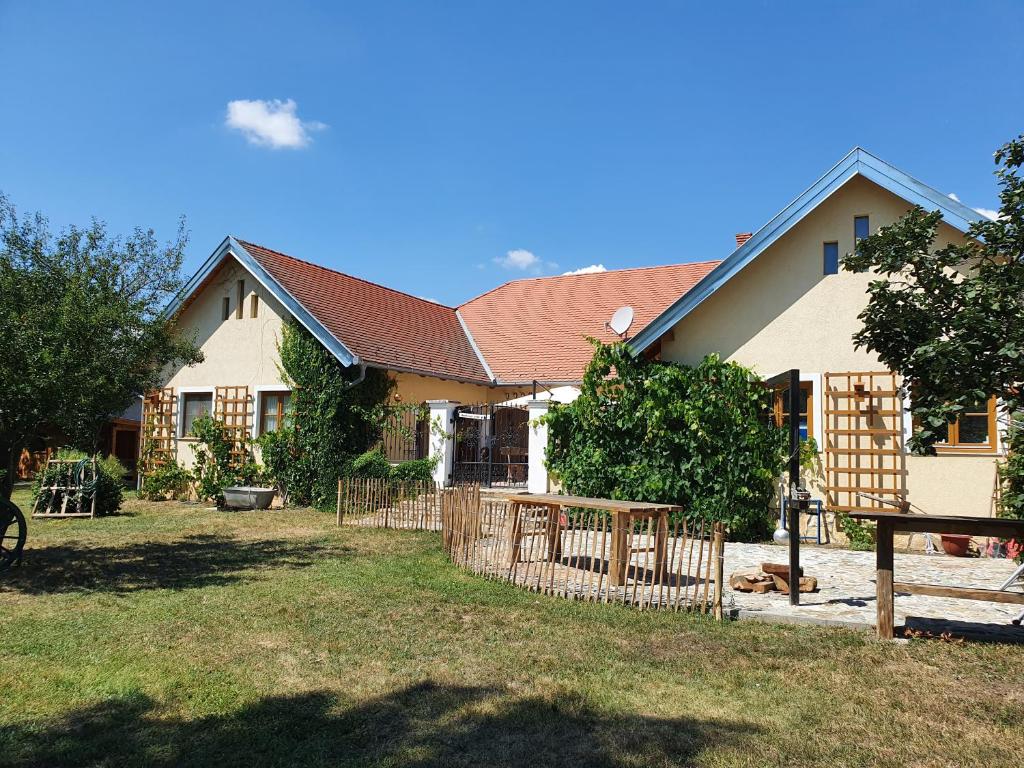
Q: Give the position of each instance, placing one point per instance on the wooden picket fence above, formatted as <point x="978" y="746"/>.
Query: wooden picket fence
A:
<point x="379" y="503"/>
<point x="476" y="535"/>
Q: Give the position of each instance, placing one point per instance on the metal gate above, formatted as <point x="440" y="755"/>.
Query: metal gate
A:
<point x="491" y="445"/>
<point x="864" y="457"/>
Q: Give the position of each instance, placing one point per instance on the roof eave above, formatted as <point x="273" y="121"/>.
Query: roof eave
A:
<point x="231" y="247"/>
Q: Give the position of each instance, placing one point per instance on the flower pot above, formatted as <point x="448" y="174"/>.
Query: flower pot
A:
<point x="248" y="497"/>
<point x="955" y="544"/>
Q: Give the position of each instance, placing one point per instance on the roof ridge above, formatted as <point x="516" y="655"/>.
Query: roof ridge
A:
<point x="246" y="243"/>
<point x="539" y="278"/>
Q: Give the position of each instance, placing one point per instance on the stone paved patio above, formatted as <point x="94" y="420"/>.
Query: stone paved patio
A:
<point x="846" y="590"/>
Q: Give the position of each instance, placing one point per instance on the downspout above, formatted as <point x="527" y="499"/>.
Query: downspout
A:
<point x="359" y="379"/>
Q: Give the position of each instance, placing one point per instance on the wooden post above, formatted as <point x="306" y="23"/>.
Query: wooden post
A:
<point x="554" y="531"/>
<point x="883" y="578"/>
<point x="794" y="483"/>
<point x="339" y="501"/>
<point x="516" y="534"/>
<point x="92" y="509"/>
<point x="617" y="560"/>
<point x="720" y="570"/>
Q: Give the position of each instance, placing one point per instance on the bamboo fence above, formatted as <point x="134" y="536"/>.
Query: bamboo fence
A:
<point x="570" y="555"/>
<point x="476" y="534"/>
<point x="379" y="503"/>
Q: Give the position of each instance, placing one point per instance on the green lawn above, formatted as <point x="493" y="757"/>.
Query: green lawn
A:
<point x="178" y="636"/>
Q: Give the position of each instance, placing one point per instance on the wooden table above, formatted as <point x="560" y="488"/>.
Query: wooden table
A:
<point x="624" y="515"/>
<point x="890" y="523"/>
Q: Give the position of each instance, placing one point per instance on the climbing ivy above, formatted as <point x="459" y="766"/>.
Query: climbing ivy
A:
<point x="334" y="418"/>
<point x="655" y="431"/>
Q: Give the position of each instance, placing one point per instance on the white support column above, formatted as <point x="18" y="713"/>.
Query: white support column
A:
<point x="537" y="474"/>
<point x="442" y="438"/>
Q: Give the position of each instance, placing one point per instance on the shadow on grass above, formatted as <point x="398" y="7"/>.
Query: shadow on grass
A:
<point x="423" y="725"/>
<point x="188" y="563"/>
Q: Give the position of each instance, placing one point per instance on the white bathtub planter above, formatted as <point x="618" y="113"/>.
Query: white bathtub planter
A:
<point x="248" y="497"/>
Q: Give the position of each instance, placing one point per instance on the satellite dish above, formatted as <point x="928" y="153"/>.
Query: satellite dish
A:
<point x="621" y="320"/>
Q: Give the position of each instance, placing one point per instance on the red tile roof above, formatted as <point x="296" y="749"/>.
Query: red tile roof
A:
<point x="526" y="329"/>
<point x="383" y="326"/>
<point x="537" y="328"/>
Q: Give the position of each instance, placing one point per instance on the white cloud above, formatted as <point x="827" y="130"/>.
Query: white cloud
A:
<point x="519" y="259"/>
<point x="270" y="123"/>
<point x="432" y="301"/>
<point x="587" y="270"/>
<point x="986" y="212"/>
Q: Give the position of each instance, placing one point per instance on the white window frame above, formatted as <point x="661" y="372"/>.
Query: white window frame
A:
<point x="182" y="391"/>
<point x="259" y="391"/>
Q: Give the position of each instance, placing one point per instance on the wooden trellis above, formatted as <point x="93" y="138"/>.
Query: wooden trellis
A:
<point x="231" y="408"/>
<point x="864" y="454"/>
<point x="159" y="428"/>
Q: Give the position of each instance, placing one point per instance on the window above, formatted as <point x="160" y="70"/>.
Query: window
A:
<point x="805" y="412"/>
<point x="860" y="228"/>
<point x="241" y="300"/>
<point x="194" y="405"/>
<point x="831" y="254"/>
<point x="254" y="305"/>
<point x="226" y="308"/>
<point x="975" y="430"/>
<point x="273" y="411"/>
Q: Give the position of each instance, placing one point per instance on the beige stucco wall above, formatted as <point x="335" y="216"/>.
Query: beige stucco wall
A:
<point x="237" y="352"/>
<point x="782" y="312"/>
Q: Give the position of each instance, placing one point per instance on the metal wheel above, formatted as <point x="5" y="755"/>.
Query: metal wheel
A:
<point x="12" y="534"/>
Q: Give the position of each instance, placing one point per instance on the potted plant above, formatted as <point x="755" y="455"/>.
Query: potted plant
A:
<point x="956" y="544"/>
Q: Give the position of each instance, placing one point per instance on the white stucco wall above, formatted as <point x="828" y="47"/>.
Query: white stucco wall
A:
<point x="782" y="312"/>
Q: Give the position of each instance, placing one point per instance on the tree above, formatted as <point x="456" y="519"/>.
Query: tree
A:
<point x="82" y="329"/>
<point x="648" y="430"/>
<point x="949" y="320"/>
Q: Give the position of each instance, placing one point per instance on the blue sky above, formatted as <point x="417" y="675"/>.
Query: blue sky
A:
<point x="419" y="144"/>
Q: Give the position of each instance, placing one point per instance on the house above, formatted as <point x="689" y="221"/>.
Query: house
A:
<point x="782" y="301"/>
<point x="474" y="366"/>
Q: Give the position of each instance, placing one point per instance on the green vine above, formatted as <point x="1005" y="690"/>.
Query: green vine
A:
<point x="335" y="418"/>
<point x="654" y="431"/>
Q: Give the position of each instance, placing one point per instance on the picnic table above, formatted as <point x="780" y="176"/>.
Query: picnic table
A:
<point x="890" y="523"/>
<point x="624" y="516"/>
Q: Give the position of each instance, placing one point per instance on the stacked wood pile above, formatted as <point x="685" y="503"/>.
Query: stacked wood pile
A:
<point x="772" y="577"/>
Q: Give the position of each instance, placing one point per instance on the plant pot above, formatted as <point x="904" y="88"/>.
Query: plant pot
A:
<point x="956" y="544"/>
<point x="248" y="497"/>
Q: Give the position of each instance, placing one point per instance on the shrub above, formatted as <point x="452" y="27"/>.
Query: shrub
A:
<point x="108" y="486"/>
<point x="373" y="463"/>
<point x="416" y="471"/>
<point x="169" y="481"/>
<point x="647" y="430"/>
